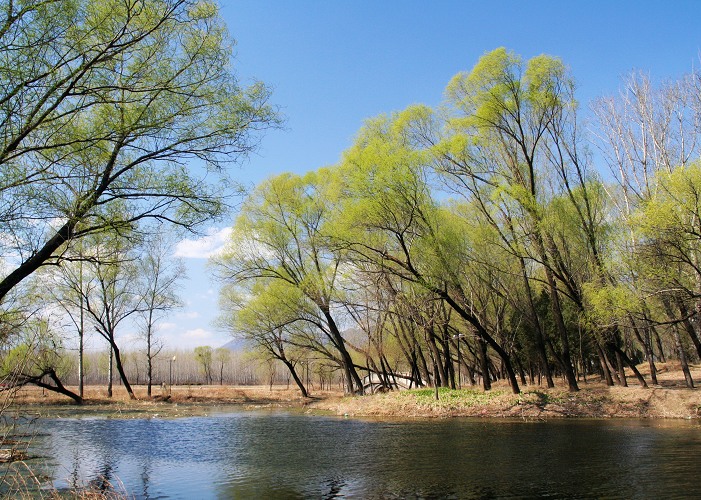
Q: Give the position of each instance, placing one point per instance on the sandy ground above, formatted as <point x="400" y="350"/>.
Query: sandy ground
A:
<point x="669" y="399"/>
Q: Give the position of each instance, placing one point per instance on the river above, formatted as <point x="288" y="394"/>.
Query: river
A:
<point x="276" y="454"/>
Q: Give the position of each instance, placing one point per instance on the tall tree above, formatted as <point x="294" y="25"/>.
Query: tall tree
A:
<point x="272" y="319"/>
<point x="103" y="105"/>
<point x="113" y="297"/>
<point x="222" y="355"/>
<point x="204" y="356"/>
<point x="509" y="120"/>
<point x="282" y="236"/>
<point x="390" y="218"/>
<point x="71" y="284"/>
<point x="158" y="277"/>
<point x="646" y="134"/>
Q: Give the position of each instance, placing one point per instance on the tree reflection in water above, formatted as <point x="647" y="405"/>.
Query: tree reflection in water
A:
<point x="283" y="455"/>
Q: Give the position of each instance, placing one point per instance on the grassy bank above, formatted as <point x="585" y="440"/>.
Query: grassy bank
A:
<point x="592" y="401"/>
<point x="669" y="399"/>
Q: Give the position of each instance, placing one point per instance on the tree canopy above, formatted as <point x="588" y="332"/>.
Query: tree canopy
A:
<point x="114" y="114"/>
<point x="485" y="224"/>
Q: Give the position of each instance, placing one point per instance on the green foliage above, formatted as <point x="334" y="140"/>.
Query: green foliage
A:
<point x="527" y="254"/>
<point x="97" y="130"/>
<point x="204" y="356"/>
<point x="39" y="350"/>
<point x="610" y="304"/>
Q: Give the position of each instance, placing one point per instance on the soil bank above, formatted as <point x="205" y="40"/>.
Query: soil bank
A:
<point x="669" y="399"/>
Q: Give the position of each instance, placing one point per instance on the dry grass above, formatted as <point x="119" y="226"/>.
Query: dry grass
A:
<point x="669" y="399"/>
<point x="185" y="400"/>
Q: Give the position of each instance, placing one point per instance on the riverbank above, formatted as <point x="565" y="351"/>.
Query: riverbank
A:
<point x="669" y="399"/>
<point x="179" y="401"/>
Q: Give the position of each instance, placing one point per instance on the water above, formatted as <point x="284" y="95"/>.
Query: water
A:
<point x="287" y="455"/>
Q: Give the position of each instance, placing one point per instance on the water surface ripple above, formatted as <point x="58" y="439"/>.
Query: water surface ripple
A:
<point x="288" y="455"/>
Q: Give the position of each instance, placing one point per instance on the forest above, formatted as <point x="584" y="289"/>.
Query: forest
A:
<point x="509" y="233"/>
<point x="497" y="236"/>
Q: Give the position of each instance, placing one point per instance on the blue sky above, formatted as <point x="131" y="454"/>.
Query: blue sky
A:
<point x="333" y="64"/>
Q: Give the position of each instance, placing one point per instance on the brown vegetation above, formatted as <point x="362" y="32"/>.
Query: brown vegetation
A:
<point x="669" y="399"/>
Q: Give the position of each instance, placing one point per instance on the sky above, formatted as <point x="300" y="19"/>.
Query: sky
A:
<point x="333" y="64"/>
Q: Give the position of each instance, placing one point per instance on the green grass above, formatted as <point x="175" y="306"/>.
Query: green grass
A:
<point x="458" y="397"/>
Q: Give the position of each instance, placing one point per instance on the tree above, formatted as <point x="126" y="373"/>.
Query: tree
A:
<point x="97" y="130"/>
<point x="222" y="355"/>
<point x="272" y="318"/>
<point x="70" y="287"/>
<point x="158" y="277"/>
<point x="38" y="359"/>
<point x="649" y="137"/>
<point x="389" y="218"/>
<point x="113" y="296"/>
<point x="203" y="354"/>
<point x="513" y="135"/>
<point x="282" y="236"/>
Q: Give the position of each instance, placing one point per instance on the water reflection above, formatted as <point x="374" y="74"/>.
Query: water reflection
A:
<point x="281" y="455"/>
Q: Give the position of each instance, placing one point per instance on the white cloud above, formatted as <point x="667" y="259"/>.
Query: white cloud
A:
<point x="209" y="295"/>
<point x="197" y="334"/>
<point x="188" y="315"/>
<point x="189" y="339"/>
<point x="205" y="247"/>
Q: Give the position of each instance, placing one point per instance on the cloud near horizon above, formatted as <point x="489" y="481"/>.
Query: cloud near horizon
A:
<point x="205" y="247"/>
<point x="189" y="339"/>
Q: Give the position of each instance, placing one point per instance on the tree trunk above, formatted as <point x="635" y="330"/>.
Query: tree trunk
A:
<point x="81" y="361"/>
<point x="682" y="359"/>
<point x="482" y="332"/>
<point x="149" y="358"/>
<point x="658" y="341"/>
<point x="688" y="326"/>
<point x="603" y="362"/>
<point x="537" y="328"/>
<point x="58" y="387"/>
<point x="122" y="374"/>
<point x="619" y="366"/>
<point x="352" y="379"/>
<point x="556" y="310"/>
<point x="484" y="365"/>
<point x="296" y="378"/>
<point x="439" y="378"/>
<point x="646" y="342"/>
<point x="624" y="357"/>
<point x="109" y="374"/>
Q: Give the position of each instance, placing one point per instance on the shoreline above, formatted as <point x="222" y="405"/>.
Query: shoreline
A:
<point x="594" y="400"/>
<point x="671" y="399"/>
<point x="657" y="403"/>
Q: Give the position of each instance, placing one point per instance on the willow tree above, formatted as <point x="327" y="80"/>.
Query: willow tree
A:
<point x="510" y="143"/>
<point x="271" y="318"/>
<point x="650" y="139"/>
<point x="390" y="218"/>
<point x="106" y="103"/>
<point x="282" y="236"/>
<point x="668" y="253"/>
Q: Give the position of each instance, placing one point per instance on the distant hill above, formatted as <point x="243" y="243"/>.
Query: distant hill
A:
<point x="236" y="345"/>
